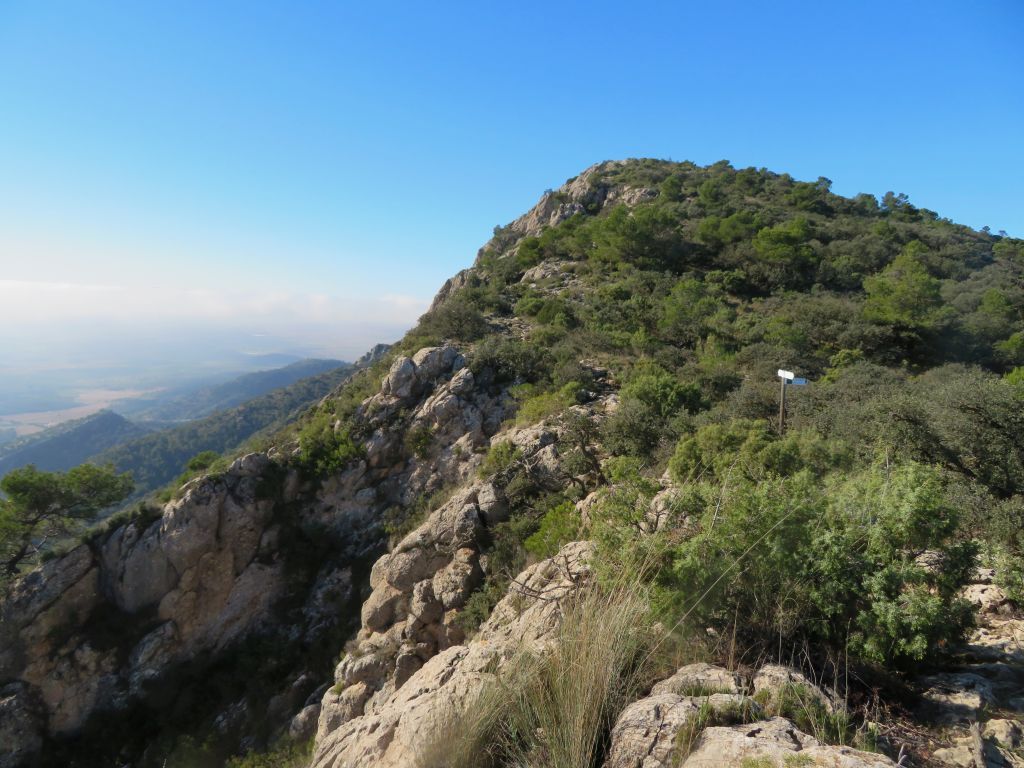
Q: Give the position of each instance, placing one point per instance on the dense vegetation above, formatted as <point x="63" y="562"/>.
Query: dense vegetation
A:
<point x="903" y="458"/>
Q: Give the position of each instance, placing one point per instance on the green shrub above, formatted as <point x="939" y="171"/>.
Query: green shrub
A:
<point x="558" y="526"/>
<point x="285" y="754"/>
<point x="479" y="606"/>
<point x="537" y="406"/>
<point x="635" y="429"/>
<point x="456" y="318"/>
<point x="510" y="360"/>
<point x="832" y="563"/>
<point x="500" y="456"/>
<point x="325" y="448"/>
<point x="419" y="441"/>
<point x="208" y="462"/>
<point x="202" y="461"/>
<point x="750" y="448"/>
<point x="904" y="294"/>
<point x="662" y="392"/>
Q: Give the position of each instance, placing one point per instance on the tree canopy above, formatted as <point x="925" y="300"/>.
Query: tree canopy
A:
<point x="40" y="506"/>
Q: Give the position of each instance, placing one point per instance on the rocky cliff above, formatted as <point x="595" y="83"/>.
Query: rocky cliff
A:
<point x="122" y="621"/>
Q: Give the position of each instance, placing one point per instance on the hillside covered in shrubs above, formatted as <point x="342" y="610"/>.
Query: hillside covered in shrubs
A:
<point x="641" y="312"/>
<point x="684" y="289"/>
<point x="568" y="516"/>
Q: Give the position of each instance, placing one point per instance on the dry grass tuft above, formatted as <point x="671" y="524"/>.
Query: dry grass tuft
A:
<point x="554" y="709"/>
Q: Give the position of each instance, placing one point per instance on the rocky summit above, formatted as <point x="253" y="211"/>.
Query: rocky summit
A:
<point x="567" y="522"/>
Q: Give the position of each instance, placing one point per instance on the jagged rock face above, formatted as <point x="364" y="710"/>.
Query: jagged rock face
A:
<point x="419" y="587"/>
<point x="389" y="728"/>
<point x="186" y="583"/>
<point x="212" y="568"/>
<point x="22" y="721"/>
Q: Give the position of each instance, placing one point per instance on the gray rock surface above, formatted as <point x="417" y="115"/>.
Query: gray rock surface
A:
<point x="22" y="721"/>
<point x="647" y="733"/>
<point x="706" y="678"/>
<point x="390" y="728"/>
<point x="775" y="742"/>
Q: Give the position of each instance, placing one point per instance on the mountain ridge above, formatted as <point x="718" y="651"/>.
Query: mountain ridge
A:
<point x="599" y="385"/>
<point x="202" y="401"/>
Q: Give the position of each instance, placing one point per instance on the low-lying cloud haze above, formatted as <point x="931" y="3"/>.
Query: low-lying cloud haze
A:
<point x="342" y="325"/>
<point x="62" y="338"/>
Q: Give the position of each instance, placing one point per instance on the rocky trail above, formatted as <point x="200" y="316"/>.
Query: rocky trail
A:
<point x="978" y="705"/>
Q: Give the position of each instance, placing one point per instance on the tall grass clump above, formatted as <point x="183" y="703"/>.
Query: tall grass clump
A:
<point x="554" y="707"/>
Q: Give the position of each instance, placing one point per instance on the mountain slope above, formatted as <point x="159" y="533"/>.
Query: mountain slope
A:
<point x="158" y="457"/>
<point x="586" y="411"/>
<point x="205" y="400"/>
<point x="69" y="444"/>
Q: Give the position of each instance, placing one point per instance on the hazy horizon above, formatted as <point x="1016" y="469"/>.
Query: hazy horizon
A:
<point x="185" y="185"/>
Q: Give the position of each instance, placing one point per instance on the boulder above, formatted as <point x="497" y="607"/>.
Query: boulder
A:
<point x="303" y="725"/>
<point x="431" y="362"/>
<point x="999" y="640"/>
<point x="400" y="379"/>
<point x="701" y="679"/>
<point x="1005" y="733"/>
<point x="453" y="584"/>
<point x="424" y="606"/>
<point x="462" y="382"/>
<point x="775" y="742"/>
<point x="382" y="608"/>
<point x="772" y="681"/>
<point x="492" y="504"/>
<point x="647" y="733"/>
<point x="986" y="598"/>
<point x="955" y="697"/>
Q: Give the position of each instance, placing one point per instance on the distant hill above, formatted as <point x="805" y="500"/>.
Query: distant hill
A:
<point x="194" y="403"/>
<point x="158" y="457"/>
<point x="70" y="443"/>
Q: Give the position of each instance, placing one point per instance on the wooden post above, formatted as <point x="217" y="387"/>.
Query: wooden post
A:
<point x="782" y="408"/>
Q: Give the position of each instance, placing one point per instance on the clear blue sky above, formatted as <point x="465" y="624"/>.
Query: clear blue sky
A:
<point x="323" y="167"/>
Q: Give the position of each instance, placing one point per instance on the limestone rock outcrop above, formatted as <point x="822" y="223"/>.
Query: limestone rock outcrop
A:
<point x="701" y="678"/>
<point x="390" y="727"/>
<point x="189" y="582"/>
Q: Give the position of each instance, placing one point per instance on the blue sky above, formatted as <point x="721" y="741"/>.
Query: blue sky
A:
<point x="313" y="171"/>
